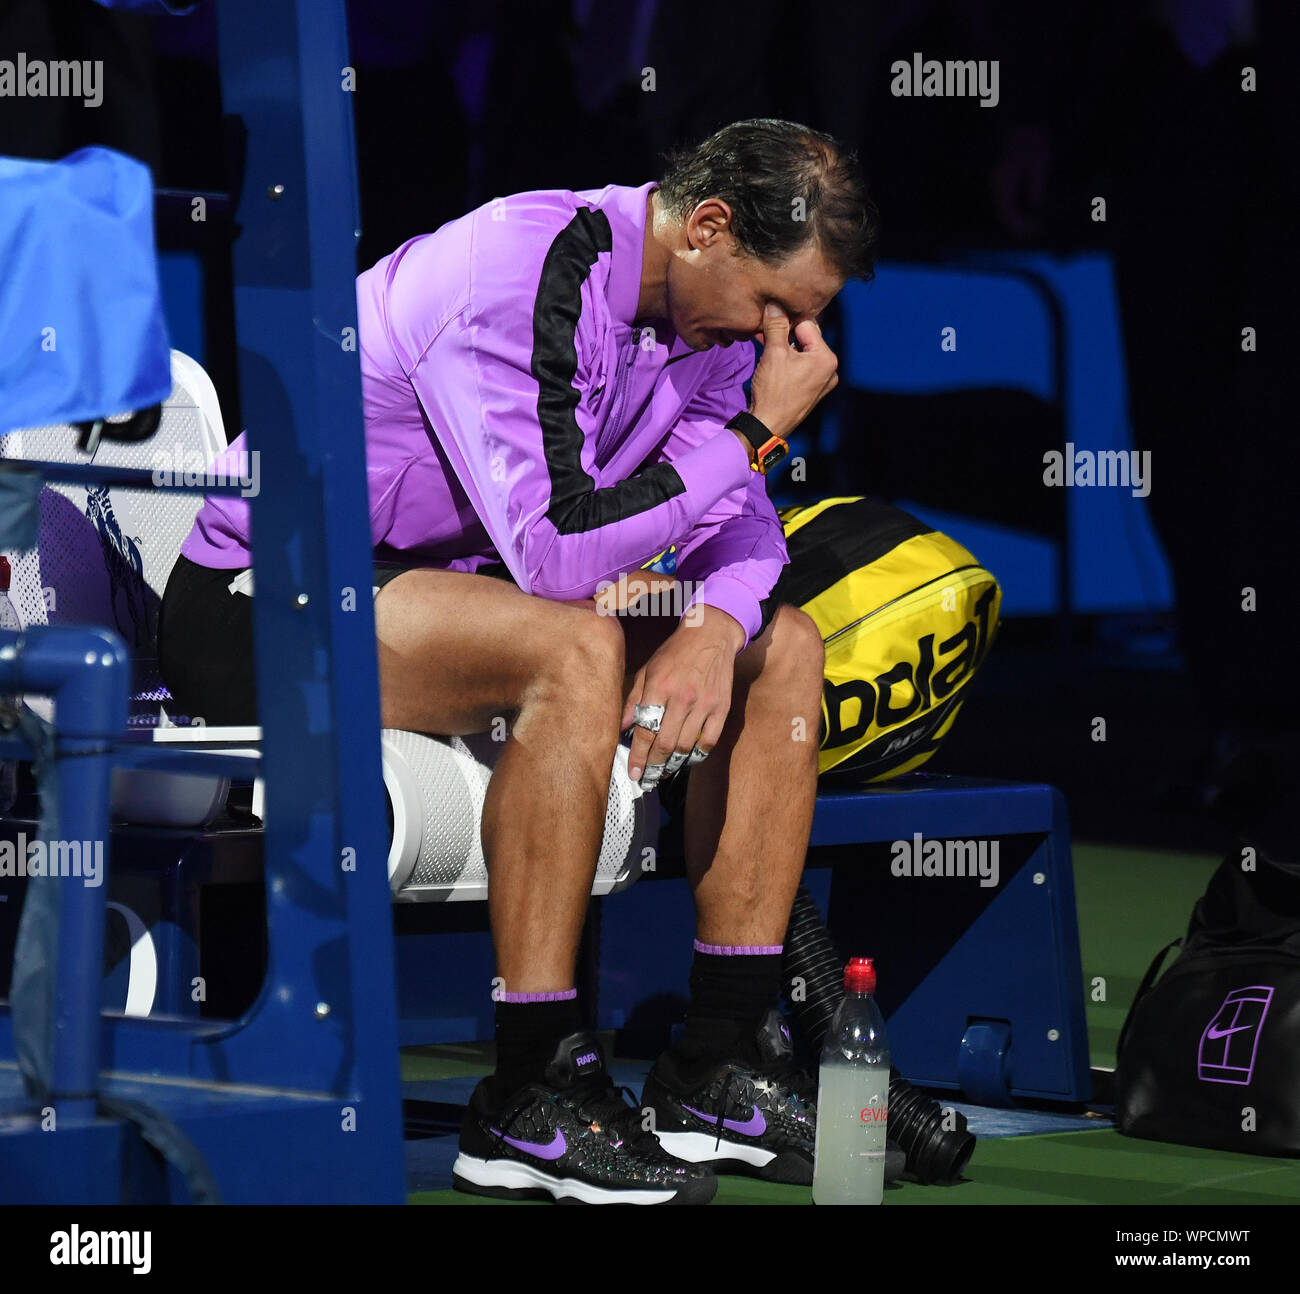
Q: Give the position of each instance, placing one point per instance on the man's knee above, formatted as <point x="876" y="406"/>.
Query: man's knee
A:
<point x="584" y="654"/>
<point x="790" y="651"/>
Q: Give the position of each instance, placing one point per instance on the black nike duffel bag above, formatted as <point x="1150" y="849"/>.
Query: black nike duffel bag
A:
<point x="1210" y="1052"/>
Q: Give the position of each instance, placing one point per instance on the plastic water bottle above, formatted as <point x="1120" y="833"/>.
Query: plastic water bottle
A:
<point x="8" y="620"/>
<point x="853" y="1097"/>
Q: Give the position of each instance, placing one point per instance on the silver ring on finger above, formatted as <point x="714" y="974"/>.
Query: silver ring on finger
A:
<point x="650" y="778"/>
<point x="648" y="717"/>
<point x="697" y="756"/>
<point x="676" y="760"/>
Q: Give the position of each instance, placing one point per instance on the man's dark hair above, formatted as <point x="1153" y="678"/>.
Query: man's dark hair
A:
<point x="785" y="184"/>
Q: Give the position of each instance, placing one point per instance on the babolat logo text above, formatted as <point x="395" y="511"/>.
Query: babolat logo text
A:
<point x="78" y="1248"/>
<point x="1122" y="467"/>
<point x="34" y="78"/>
<point x="910" y="687"/>
<point x="928" y="78"/>
<point x="921" y="857"/>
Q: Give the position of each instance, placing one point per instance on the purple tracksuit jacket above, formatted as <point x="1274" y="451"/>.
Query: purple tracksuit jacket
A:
<point x="514" y="414"/>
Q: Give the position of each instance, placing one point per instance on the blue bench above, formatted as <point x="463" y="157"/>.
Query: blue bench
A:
<point x="981" y="984"/>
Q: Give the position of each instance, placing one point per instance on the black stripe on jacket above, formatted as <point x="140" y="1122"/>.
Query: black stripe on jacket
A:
<point x="576" y="506"/>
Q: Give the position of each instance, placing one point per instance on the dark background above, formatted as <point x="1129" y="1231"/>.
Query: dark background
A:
<point x="1139" y="102"/>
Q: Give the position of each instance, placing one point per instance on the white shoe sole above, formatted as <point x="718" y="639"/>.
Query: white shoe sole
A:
<point x="509" y="1174"/>
<point x="704" y="1147"/>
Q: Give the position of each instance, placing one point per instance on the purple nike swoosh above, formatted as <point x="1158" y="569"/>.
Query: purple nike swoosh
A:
<point x="550" y="1150"/>
<point x="754" y="1126"/>
<point x="1223" y="1033"/>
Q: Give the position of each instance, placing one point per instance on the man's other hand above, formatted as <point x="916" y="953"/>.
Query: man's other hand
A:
<point x="691" y="676"/>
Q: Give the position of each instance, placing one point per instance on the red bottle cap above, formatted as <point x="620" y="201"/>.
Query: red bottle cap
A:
<point x="5" y="575"/>
<point x="860" y="975"/>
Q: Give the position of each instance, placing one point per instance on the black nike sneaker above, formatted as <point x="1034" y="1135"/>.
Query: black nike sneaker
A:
<point x="758" y="1121"/>
<point x="756" y="1116"/>
<point x="572" y="1138"/>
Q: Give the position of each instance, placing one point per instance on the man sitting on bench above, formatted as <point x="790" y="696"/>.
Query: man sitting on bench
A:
<point x="554" y="395"/>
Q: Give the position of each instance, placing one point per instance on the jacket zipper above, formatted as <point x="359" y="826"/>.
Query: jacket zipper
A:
<point x="620" y="388"/>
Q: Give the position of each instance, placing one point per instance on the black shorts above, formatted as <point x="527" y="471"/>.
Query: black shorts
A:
<point x="385" y="571"/>
<point x="205" y="639"/>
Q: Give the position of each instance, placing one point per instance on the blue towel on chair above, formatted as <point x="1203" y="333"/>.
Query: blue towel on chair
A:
<point x="82" y="334"/>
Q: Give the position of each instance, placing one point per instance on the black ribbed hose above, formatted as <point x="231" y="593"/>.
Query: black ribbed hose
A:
<point x="810" y="956"/>
<point x="935" y="1154"/>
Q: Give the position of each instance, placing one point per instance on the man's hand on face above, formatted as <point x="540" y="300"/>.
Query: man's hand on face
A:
<point x="790" y="381"/>
<point x="690" y="676"/>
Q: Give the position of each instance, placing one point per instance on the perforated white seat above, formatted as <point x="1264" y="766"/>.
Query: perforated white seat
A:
<point x="436" y="788"/>
<point x="104" y="554"/>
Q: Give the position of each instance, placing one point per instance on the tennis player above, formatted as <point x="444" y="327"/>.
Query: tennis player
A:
<point x="555" y="393"/>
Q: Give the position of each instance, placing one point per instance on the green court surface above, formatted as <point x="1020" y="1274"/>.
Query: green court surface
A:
<point x="1131" y="902"/>
<point x="1069" y="1168"/>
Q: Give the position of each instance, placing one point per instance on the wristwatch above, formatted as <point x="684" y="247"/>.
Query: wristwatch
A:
<point x="769" y="449"/>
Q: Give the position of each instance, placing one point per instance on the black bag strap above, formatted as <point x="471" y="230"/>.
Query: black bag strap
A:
<point x="1143" y="989"/>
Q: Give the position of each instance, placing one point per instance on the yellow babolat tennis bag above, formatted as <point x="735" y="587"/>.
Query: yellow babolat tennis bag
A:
<point x="907" y="616"/>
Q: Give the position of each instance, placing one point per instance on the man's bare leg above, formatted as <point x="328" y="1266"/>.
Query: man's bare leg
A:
<point x="457" y="651"/>
<point x="722" y="1094"/>
<point x="749" y="806"/>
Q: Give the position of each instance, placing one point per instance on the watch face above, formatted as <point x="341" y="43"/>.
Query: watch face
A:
<point x="773" y="456"/>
